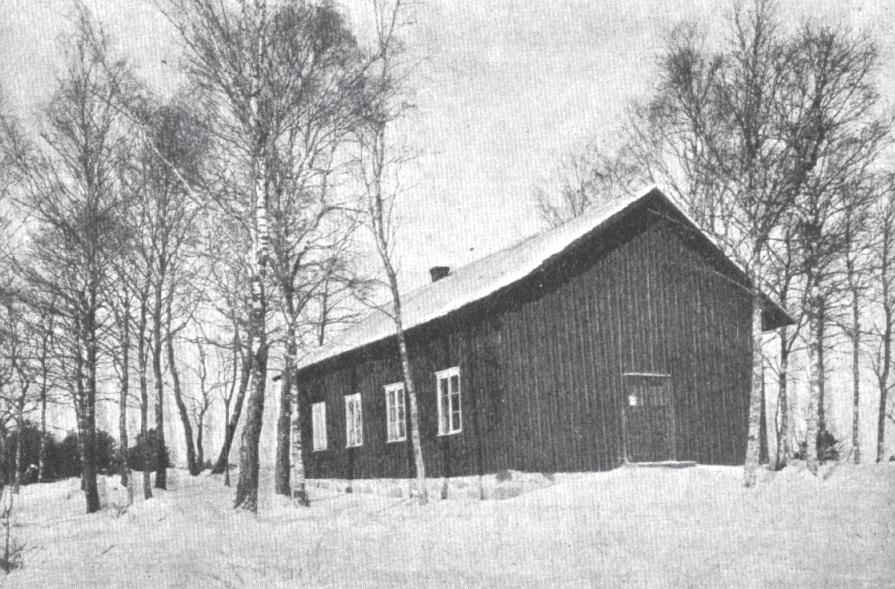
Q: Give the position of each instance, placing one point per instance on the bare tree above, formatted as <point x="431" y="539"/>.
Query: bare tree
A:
<point x="757" y="136"/>
<point x="229" y="362"/>
<point x="19" y="356"/>
<point x="46" y="383"/>
<point x="830" y="83"/>
<point x="231" y="60"/>
<point x="585" y="178"/>
<point x="709" y="135"/>
<point x="858" y="245"/>
<point x="379" y="165"/>
<point x="227" y="275"/>
<point x="788" y="288"/>
<point x="882" y="329"/>
<point x="320" y="74"/>
<point x="121" y="299"/>
<point x="68" y="189"/>
<point x="201" y="403"/>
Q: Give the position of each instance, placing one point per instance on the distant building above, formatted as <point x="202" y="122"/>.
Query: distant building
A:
<point x="623" y="335"/>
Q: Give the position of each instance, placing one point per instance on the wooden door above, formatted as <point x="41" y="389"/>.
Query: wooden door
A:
<point x="648" y="418"/>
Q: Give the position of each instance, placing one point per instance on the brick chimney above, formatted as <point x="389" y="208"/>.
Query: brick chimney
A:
<point x="439" y="272"/>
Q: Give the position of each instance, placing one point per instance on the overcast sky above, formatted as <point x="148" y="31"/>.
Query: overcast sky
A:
<point x="507" y="86"/>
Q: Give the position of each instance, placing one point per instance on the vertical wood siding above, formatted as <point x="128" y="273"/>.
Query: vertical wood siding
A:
<point x="542" y="367"/>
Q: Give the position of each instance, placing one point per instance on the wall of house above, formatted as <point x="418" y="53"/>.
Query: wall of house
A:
<point x="542" y="365"/>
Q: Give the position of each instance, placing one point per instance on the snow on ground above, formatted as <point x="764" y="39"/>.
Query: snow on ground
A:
<point x="629" y="527"/>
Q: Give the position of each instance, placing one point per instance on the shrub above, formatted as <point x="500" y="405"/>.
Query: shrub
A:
<point x="65" y="461"/>
<point x="30" y="450"/>
<point x="63" y="458"/>
<point x="828" y="447"/>
<point x="136" y="452"/>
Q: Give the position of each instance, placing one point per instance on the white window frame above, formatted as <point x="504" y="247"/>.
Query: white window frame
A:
<point x="447" y="427"/>
<point x="395" y="413"/>
<point x="318" y="426"/>
<point x="354" y="421"/>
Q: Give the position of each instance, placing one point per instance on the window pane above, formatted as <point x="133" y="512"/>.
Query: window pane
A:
<point x="318" y="426"/>
<point x="360" y="424"/>
<point x="455" y="384"/>
<point x="445" y="409"/>
<point x="353" y="424"/>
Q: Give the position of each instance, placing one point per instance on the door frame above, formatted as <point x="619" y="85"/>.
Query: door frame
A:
<point x="672" y="425"/>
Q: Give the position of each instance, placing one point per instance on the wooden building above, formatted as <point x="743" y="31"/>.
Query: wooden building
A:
<point x="623" y="335"/>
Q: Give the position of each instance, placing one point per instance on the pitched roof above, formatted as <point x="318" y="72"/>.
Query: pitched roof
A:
<point x="476" y="280"/>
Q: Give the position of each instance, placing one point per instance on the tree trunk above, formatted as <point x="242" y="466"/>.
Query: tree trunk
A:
<point x="856" y="375"/>
<point x="227" y="467"/>
<point x="144" y="401"/>
<point x="44" y="391"/>
<point x="821" y="369"/>
<point x="752" y="439"/>
<point x="161" y="478"/>
<point x="814" y="378"/>
<point x="122" y="400"/>
<point x="222" y="465"/>
<point x="298" y="469"/>
<point x="200" y="451"/>
<point x="3" y="436"/>
<point x="181" y="406"/>
<point x="886" y="360"/>
<point x="784" y="447"/>
<point x="89" y="414"/>
<point x="282" y="469"/>
<point x="247" y="486"/>
<point x="80" y="395"/>
<point x="881" y="421"/>
<point x="42" y="450"/>
<point x="20" y="436"/>
<point x="763" y="424"/>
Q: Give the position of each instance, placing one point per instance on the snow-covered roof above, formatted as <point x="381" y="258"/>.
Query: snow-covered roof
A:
<point x="472" y="282"/>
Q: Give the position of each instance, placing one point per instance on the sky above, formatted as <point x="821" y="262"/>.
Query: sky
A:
<point x="505" y="87"/>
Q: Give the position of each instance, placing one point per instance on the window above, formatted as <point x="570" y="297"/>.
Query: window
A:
<point x="396" y="422"/>
<point x="318" y="426"/>
<point x="449" y="417"/>
<point x="354" y="428"/>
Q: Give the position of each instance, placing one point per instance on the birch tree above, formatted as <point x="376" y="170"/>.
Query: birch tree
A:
<point x="585" y="178"/>
<point x="830" y="83"/>
<point x="858" y="246"/>
<point x="319" y="70"/>
<point x="380" y="159"/>
<point x="19" y="357"/>
<point x="68" y="189"/>
<point x="228" y="58"/>
<point x="711" y="130"/>
<point x="227" y="274"/>
<point x="882" y="329"/>
<point x="760" y="135"/>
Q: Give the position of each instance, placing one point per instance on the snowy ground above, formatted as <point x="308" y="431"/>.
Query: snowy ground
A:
<point x="630" y="527"/>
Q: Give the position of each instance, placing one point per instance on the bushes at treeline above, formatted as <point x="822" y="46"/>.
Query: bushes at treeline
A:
<point x="63" y="458"/>
<point x="829" y="448"/>
<point x="137" y="452"/>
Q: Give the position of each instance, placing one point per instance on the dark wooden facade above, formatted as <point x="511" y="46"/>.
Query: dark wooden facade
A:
<point x="643" y="306"/>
